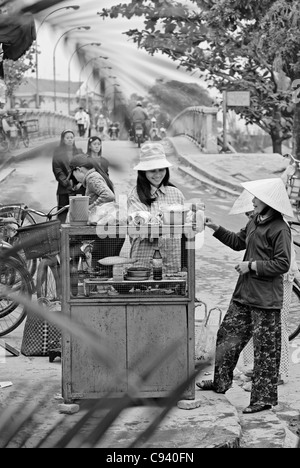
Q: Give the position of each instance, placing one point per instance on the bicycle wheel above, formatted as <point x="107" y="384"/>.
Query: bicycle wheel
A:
<point x="23" y="219"/>
<point x="4" y="146"/>
<point x="48" y="280"/>
<point x="13" y="275"/>
<point x="294" y="312"/>
<point x="25" y="138"/>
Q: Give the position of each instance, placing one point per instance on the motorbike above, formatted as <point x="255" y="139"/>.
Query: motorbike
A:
<point x="139" y="133"/>
<point x="113" y="131"/>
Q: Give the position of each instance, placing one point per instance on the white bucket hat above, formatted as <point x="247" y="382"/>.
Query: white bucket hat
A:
<point x="272" y="192"/>
<point x="152" y="156"/>
<point x="243" y="204"/>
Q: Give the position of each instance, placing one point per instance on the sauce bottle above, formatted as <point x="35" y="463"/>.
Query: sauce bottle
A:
<point x="157" y="263"/>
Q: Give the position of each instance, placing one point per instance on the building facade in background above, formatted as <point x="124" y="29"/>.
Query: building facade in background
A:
<point x="25" y="96"/>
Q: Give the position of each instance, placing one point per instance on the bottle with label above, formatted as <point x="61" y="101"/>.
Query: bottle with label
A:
<point x="157" y="263"/>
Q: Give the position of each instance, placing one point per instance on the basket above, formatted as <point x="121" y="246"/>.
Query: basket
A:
<point x="32" y="126"/>
<point x="40" y="239"/>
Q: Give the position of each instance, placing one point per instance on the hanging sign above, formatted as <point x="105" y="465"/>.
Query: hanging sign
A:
<point x="238" y="98"/>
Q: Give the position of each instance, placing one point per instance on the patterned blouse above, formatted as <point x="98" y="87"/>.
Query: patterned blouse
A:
<point x="170" y="247"/>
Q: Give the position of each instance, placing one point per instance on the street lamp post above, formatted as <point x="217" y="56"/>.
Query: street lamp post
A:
<point x="89" y="61"/>
<point x="114" y="85"/>
<point x="70" y="7"/>
<point x="99" y="82"/>
<point x="97" y="44"/>
<point x="78" y="28"/>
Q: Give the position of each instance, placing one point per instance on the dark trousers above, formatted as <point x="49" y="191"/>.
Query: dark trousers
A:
<point x="63" y="200"/>
<point x="241" y="323"/>
<point x="81" y="130"/>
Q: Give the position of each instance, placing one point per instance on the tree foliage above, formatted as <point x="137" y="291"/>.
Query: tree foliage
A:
<point x="236" y="44"/>
<point x="14" y="72"/>
<point x="160" y="102"/>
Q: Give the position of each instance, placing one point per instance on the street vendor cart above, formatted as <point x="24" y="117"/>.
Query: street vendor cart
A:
<point x="139" y="317"/>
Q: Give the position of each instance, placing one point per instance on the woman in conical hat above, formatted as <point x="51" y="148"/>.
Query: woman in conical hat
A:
<point x="254" y="311"/>
<point x="243" y="204"/>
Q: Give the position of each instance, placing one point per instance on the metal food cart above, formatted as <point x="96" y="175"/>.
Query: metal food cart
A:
<point x="136" y="316"/>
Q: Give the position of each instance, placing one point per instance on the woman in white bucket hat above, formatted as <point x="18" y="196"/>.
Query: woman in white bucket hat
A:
<point x="152" y="191"/>
<point x="254" y="311"/>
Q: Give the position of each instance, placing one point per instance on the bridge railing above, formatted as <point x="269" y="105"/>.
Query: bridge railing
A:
<point x="199" y="124"/>
<point x="50" y="124"/>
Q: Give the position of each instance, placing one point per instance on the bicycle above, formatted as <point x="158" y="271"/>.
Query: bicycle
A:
<point x="294" y="311"/>
<point x="4" y="144"/>
<point x="23" y="218"/>
<point x="14" y="277"/>
<point x="291" y="178"/>
<point x="44" y="243"/>
<point x="23" y="133"/>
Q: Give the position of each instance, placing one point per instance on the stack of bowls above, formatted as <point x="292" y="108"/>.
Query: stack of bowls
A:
<point x="138" y="273"/>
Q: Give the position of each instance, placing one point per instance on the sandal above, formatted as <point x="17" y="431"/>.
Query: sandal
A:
<point x="206" y="385"/>
<point x="256" y="408"/>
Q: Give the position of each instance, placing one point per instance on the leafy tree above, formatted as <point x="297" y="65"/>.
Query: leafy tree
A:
<point x="235" y="44"/>
<point x="187" y="95"/>
<point x="14" y="72"/>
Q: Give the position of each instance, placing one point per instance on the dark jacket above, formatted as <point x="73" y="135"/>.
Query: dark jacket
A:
<point x="269" y="244"/>
<point x="61" y="171"/>
<point x="101" y="165"/>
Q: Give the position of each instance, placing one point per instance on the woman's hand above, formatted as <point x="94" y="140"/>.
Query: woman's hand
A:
<point x="77" y="187"/>
<point x="242" y="268"/>
<point x="209" y="223"/>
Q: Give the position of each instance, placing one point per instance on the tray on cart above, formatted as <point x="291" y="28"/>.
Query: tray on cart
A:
<point x="147" y="287"/>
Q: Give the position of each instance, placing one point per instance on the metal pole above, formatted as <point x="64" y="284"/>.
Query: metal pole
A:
<point x="69" y="87"/>
<point x="70" y="7"/>
<point x="78" y="28"/>
<point x="98" y="44"/>
<point x="37" y="77"/>
<point x="54" y="81"/>
<point x="225" y="120"/>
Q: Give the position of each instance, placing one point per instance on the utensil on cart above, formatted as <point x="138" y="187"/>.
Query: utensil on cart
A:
<point x="118" y="265"/>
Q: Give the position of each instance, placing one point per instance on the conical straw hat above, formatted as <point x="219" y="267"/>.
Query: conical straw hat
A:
<point x="272" y="192"/>
<point x="242" y="204"/>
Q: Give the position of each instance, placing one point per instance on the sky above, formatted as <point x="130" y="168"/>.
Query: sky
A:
<point x="134" y="69"/>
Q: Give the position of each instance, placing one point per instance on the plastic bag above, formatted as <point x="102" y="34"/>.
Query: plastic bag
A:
<point x="107" y="214"/>
<point x="205" y="338"/>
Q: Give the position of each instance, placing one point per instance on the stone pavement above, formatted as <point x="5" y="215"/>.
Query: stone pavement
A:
<point x="218" y="420"/>
<point x="8" y="159"/>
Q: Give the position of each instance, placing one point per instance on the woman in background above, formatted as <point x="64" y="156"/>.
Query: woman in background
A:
<point x="67" y="185"/>
<point x="94" y="151"/>
<point x="99" y="192"/>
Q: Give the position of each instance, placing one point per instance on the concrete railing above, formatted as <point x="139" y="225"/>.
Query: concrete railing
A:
<point x="199" y="124"/>
<point x="50" y="124"/>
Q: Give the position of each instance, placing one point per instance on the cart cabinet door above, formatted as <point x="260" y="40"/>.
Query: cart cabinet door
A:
<point x="151" y="330"/>
<point x="89" y="376"/>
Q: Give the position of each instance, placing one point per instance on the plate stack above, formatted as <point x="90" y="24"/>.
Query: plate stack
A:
<point x="138" y="274"/>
